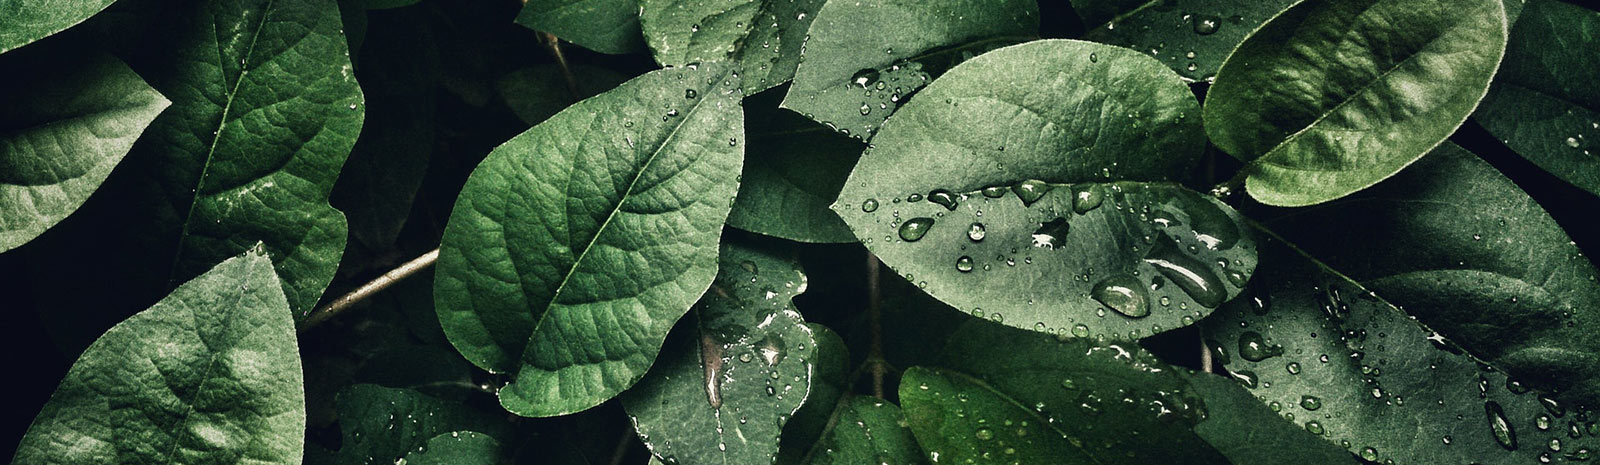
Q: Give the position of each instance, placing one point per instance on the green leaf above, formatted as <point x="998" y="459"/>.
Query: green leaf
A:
<point x="735" y="370"/>
<point x="763" y="37"/>
<point x="1543" y="103"/>
<point x="576" y="245"/>
<point x="30" y="20"/>
<point x="830" y="371"/>
<point x="1250" y="432"/>
<point x="383" y="425"/>
<point x="1098" y="396"/>
<point x="605" y="26"/>
<point x="1461" y="248"/>
<point x="457" y="448"/>
<point x="537" y="92"/>
<point x="1377" y="382"/>
<point x="866" y="430"/>
<point x="211" y="374"/>
<point x="262" y="119"/>
<point x="1192" y="37"/>
<point x="1332" y="96"/>
<point x="863" y="57"/>
<point x="796" y="169"/>
<point x="959" y="419"/>
<point x="950" y="195"/>
<point x="67" y="122"/>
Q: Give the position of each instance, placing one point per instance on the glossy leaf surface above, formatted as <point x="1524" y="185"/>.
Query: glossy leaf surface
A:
<point x="762" y="38"/>
<point x="1192" y="37"/>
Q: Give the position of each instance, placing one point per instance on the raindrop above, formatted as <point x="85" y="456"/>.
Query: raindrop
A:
<point x="1189" y="274"/>
<point x="964" y="264"/>
<point x="1086" y="198"/>
<point x="1572" y="142"/>
<point x="690" y="93"/>
<point x="1206" y="25"/>
<point x="1080" y="331"/>
<point x="1254" y="348"/>
<point x="1500" y="426"/>
<point x="944" y="198"/>
<point x="1311" y="403"/>
<point x="913" y="229"/>
<point x="869" y="206"/>
<point x="994" y="192"/>
<point x="1123" y="293"/>
<point x="984" y="434"/>
<point x="1030" y="191"/>
<point x="976" y="232"/>
<point x="1314" y="428"/>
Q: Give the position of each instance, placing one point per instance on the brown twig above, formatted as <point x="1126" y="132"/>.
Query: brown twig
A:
<point x="380" y="283"/>
<point x="554" y="43"/>
<point x="875" y="316"/>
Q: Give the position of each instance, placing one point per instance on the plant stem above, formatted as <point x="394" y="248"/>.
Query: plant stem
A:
<point x="1205" y="357"/>
<point x="875" y="316"/>
<point x="561" y="60"/>
<point x="380" y="283"/>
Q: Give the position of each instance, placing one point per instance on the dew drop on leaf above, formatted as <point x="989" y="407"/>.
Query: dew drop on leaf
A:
<point x="1500" y="426"/>
<point x="1030" y="191"/>
<point x="944" y="198"/>
<point x="1124" y="294"/>
<point x="913" y="229"/>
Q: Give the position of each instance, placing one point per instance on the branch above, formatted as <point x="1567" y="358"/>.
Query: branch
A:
<point x="561" y="60"/>
<point x="875" y="315"/>
<point x="346" y="301"/>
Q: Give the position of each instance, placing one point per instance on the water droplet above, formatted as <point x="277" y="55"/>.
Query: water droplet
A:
<point x="1314" y="428"/>
<point x="944" y="198"/>
<point x="1369" y="454"/>
<point x="865" y="109"/>
<point x="1206" y="25"/>
<point x="1123" y="293"/>
<point x="1254" y="348"/>
<point x="1293" y="367"/>
<point x="1086" y="197"/>
<point x="964" y="264"/>
<point x="1095" y="57"/>
<point x="994" y="192"/>
<point x="1500" y="426"/>
<point x="976" y="232"/>
<point x="869" y="206"/>
<point x="913" y="229"/>
<point x="1572" y="142"/>
<point x="1051" y="234"/>
<point x="690" y="93"/>
<point x="1030" y="191"/>
<point x="1311" y="403"/>
<point x="1080" y="331"/>
<point x="864" y="77"/>
<point x="1195" y="278"/>
<point x="984" y="434"/>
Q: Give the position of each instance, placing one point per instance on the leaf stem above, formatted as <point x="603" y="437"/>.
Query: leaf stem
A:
<point x="380" y="283"/>
<point x="875" y="316"/>
<point x="1205" y="356"/>
<point x="561" y="60"/>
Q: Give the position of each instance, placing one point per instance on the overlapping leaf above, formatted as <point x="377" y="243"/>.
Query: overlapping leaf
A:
<point x="211" y="374"/>
<point x="1332" y="96"/>
<point x="386" y="425"/>
<point x="1192" y="37"/>
<point x="27" y="21"/>
<point x="735" y="371"/>
<point x="69" y="120"/>
<point x="1033" y="186"/>
<point x="862" y="58"/>
<point x="761" y="37"/>
<point x="605" y="26"/>
<point x="576" y="245"/>
<point x="1544" y="103"/>
<point x="796" y="169"/>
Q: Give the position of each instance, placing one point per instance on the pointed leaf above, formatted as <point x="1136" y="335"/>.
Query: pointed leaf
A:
<point x="1192" y="37"/>
<point x="68" y="121"/>
<point x="1332" y="96"/>
<point x="959" y="419"/>
<point x="27" y="21"/>
<point x="384" y="425"/>
<point x="1544" y="103"/>
<point x="963" y="194"/>
<point x="576" y="245"/>
<point x="1250" y="432"/>
<point x="866" y="430"/>
<point x="211" y="374"/>
<point x="796" y="169"/>
<point x="1378" y="383"/>
<point x="1460" y="247"/>
<point x="761" y="37"/>
<point x="863" y="57"/>
<point x="605" y="26"/>
<point x="735" y="371"/>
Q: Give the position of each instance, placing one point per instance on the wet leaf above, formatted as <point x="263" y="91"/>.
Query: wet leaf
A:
<point x="863" y="58"/>
<point x="796" y="169"/>
<point x="384" y="425"/>
<point x="211" y="374"/>
<point x="457" y="448"/>
<point x="576" y="245"/>
<point x="1043" y="199"/>
<point x="1192" y="37"/>
<point x="605" y="26"/>
<point x="1463" y="249"/>
<point x="1248" y="431"/>
<point x="762" y="38"/>
<point x="734" y="372"/>
<point x="1544" y="103"/>
<point x="1332" y="96"/>
<point x="67" y="122"/>
<point x="866" y="430"/>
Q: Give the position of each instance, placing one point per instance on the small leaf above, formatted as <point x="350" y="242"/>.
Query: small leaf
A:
<point x="1544" y="103"/>
<point x="1378" y="383"/>
<point x="211" y="374"/>
<point x="605" y="26"/>
<point x="863" y="58"/>
<point x="1332" y="96"/>
<point x="68" y="121"/>
<point x="762" y="37"/>
<point x="384" y="425"/>
<point x="796" y="168"/>
<point x="866" y="430"/>
<point x="737" y="368"/>
<point x="538" y="92"/>
<point x="1192" y="37"/>
<point x="1250" y="432"/>
<point x="457" y="448"/>
<point x="1463" y="249"/>
<point x="966" y="194"/>
<point x="576" y="245"/>
<point x="958" y="419"/>
<point x="29" y="21"/>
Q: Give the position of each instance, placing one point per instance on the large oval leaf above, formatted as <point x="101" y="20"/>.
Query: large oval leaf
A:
<point x="1460" y="247"/>
<point x="29" y="20"/>
<point x="761" y="37"/>
<point x="1192" y="37"/>
<point x="68" y="121"/>
<point x="863" y="57"/>
<point x="1332" y="96"/>
<point x="605" y="26"/>
<point x="1351" y="368"/>
<point x="211" y="374"/>
<point x="576" y="245"/>
<point x="1544" y="103"/>
<point x="735" y="371"/>
<point x="948" y="195"/>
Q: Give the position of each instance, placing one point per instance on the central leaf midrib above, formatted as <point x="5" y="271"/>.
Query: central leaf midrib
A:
<point x="579" y="260"/>
<point x="211" y="365"/>
<point x="222" y="124"/>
